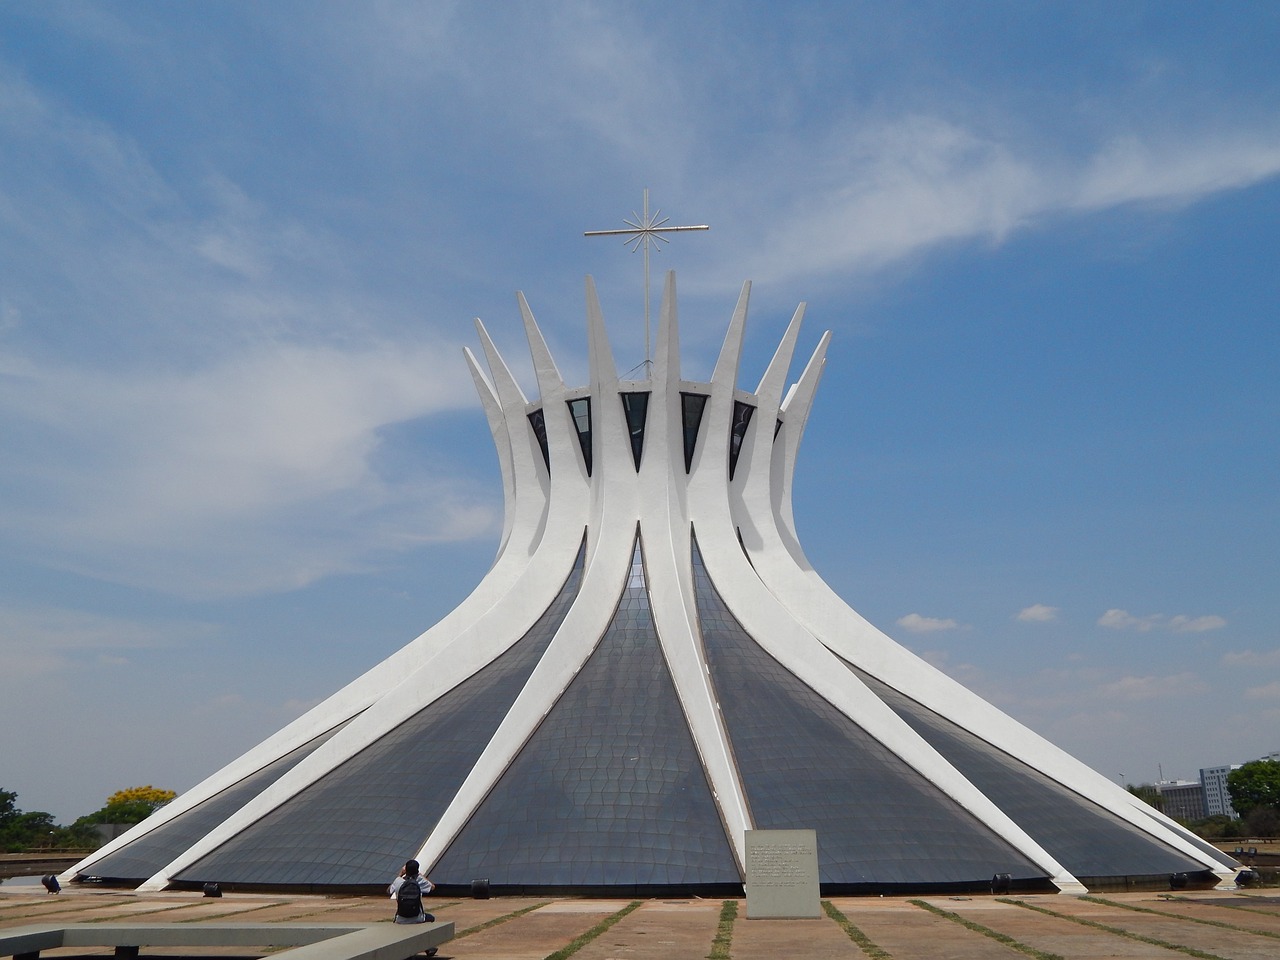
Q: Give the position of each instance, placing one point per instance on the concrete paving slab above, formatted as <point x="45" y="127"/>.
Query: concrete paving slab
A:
<point x="1223" y="943"/>
<point x="197" y="909"/>
<point x="684" y="930"/>
<point x="656" y="930"/>
<point x="819" y="938"/>
<point x="294" y="911"/>
<point x="584" y="906"/>
<point x="532" y="936"/>
<point x="1219" y="910"/>
<point x="908" y="933"/>
<point x="1063" y="937"/>
<point x="61" y="908"/>
<point x="468" y="914"/>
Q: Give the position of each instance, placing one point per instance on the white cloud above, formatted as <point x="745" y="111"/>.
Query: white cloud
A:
<point x="65" y="630"/>
<point x="1124" y="620"/>
<point x="195" y="392"/>
<point x="918" y="624"/>
<point x="1037" y="613"/>
<point x="1131" y="688"/>
<point x="1268" y="691"/>
<point x="1117" y="619"/>
<point x="899" y="187"/>
<point x="1130" y="169"/>
<point x="259" y="469"/>
<point x="563" y="78"/>
<point x="1252" y="660"/>
<point x="893" y="190"/>
<point x="1185" y="624"/>
<point x="43" y="640"/>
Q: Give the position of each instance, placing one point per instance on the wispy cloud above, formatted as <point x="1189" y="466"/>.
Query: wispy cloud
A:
<point x="849" y="190"/>
<point x="1134" y="689"/>
<point x="1184" y="624"/>
<point x="918" y="624"/>
<point x="61" y="629"/>
<point x="36" y="641"/>
<point x="199" y="404"/>
<point x="1268" y="691"/>
<point x="907" y="185"/>
<point x="1255" y="660"/>
<point x="1175" y="169"/>
<point x="563" y="90"/>
<point x="271" y="451"/>
<point x="1037" y="613"/>
<point x="1117" y="619"/>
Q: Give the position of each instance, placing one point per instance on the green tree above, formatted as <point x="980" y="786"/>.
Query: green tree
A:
<point x="1219" y="827"/>
<point x="1148" y="794"/>
<point x="1255" y="786"/>
<point x="21" y="831"/>
<point x="76" y="837"/>
<point x="1263" y="822"/>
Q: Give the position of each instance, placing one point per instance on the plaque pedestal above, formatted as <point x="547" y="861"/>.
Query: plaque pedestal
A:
<point x="782" y="874"/>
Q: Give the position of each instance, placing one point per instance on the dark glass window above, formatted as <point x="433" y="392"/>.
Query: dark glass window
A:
<point x="354" y="824"/>
<point x="692" y="406"/>
<point x="1086" y="839"/>
<point x="609" y="789"/>
<point x="144" y="857"/>
<point x="737" y="431"/>
<point x="538" y="420"/>
<point x="805" y="765"/>
<point x="636" y="408"/>
<point x="580" y="410"/>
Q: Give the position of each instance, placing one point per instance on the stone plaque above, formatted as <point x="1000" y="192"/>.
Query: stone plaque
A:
<point x="782" y="874"/>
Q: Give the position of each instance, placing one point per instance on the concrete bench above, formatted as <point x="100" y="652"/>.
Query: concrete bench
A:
<point x="309" y="941"/>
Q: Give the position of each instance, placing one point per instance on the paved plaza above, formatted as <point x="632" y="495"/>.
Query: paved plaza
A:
<point x="1234" y="925"/>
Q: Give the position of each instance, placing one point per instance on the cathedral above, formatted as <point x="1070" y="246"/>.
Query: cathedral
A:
<point x="649" y="669"/>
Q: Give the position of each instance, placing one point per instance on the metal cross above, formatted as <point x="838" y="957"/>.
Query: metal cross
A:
<point x="644" y="231"/>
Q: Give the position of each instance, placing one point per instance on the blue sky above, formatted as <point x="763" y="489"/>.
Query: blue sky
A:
<point x="241" y="246"/>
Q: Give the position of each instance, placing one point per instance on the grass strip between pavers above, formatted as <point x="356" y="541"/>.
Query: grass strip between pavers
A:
<point x="1235" y="903"/>
<point x="577" y="943"/>
<point x="364" y="901"/>
<point x="329" y="909"/>
<point x="502" y="919"/>
<point x="995" y="935"/>
<point x="38" y="912"/>
<point x="231" y="913"/>
<point x="1174" y="916"/>
<point x="865" y="943"/>
<point x="724" y="931"/>
<point x="114" y="918"/>
<point x="1118" y="931"/>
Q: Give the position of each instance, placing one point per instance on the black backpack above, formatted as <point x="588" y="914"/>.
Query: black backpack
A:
<point x="409" y="899"/>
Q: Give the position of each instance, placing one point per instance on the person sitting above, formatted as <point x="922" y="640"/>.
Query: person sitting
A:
<point x="407" y="890"/>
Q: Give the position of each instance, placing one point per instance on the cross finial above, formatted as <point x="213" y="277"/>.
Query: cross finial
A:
<point x="643" y="231"/>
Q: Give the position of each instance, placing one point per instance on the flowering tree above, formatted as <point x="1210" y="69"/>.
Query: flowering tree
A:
<point x="154" y="796"/>
<point x="131" y="805"/>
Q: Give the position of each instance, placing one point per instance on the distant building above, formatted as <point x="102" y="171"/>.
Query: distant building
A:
<point x="1217" y="799"/>
<point x="1182" y="799"/>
